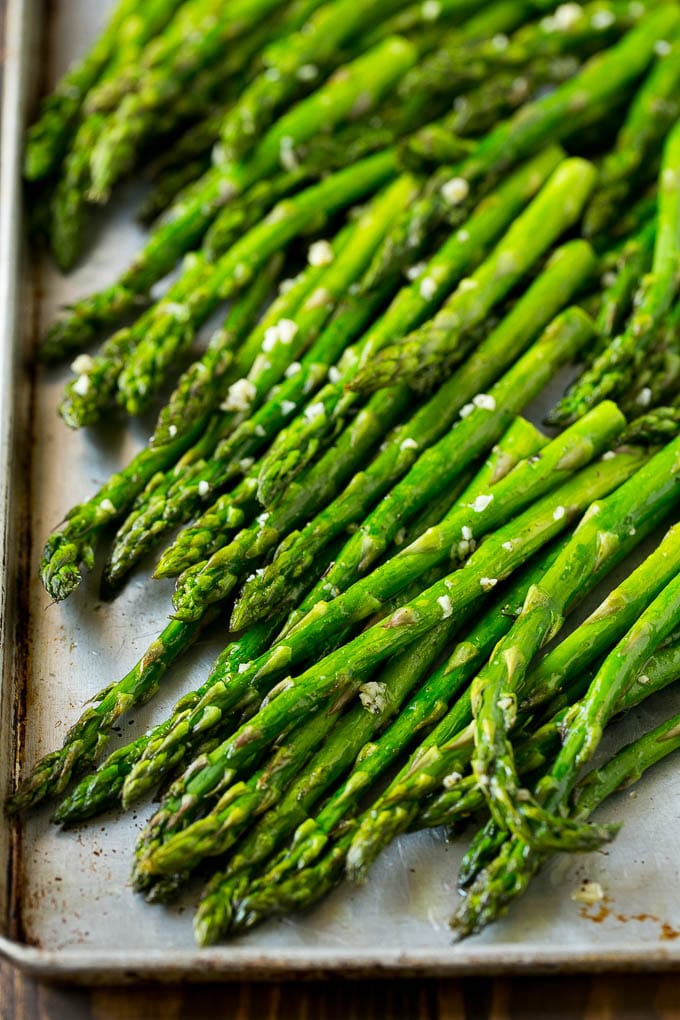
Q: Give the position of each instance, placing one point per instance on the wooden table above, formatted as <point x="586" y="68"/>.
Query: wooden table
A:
<point x="575" y="997"/>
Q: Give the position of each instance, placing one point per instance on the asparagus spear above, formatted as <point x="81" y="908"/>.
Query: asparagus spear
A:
<point x="653" y="112"/>
<point x="297" y="444"/>
<point x="446" y="752"/>
<point x="197" y="36"/>
<point x="293" y="64"/>
<point x="509" y="873"/>
<point x="401" y="455"/>
<point x="93" y="390"/>
<point x="51" y="134"/>
<point x="633" y="263"/>
<point x="550" y="118"/>
<point x="180" y="230"/>
<point x="336" y="678"/>
<point x="657" y="382"/>
<point x="68" y="202"/>
<point x="240" y="806"/>
<point x="534" y="753"/>
<point x="421" y="358"/>
<point x="88" y="736"/>
<point x="73" y="543"/>
<point x="103" y="788"/>
<point x="614" y="369"/>
<point x="583" y="726"/>
<point x="658" y="426"/>
<point x="605" y="626"/>
<point x="154" y="758"/>
<point x="233" y="904"/>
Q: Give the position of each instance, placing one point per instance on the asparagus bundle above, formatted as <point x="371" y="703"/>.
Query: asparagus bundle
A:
<point x="394" y="562"/>
<point x="614" y="369"/>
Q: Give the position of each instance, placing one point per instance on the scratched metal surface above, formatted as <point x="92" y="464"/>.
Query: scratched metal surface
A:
<point x="66" y="908"/>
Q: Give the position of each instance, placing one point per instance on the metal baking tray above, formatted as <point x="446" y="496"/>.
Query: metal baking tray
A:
<point x="66" y="908"/>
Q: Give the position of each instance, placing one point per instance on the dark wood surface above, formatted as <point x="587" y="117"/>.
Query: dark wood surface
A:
<point x="573" y="997"/>
<point x="620" y="997"/>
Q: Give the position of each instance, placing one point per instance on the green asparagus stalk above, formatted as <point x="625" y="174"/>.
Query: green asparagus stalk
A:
<point x="657" y="382"/>
<point x="93" y="390"/>
<point x="652" y="114"/>
<point x="298" y="443"/>
<point x="86" y="739"/>
<point x="583" y="726"/>
<point x="444" y="756"/>
<point x="68" y="203"/>
<point x="51" y="134"/>
<point x="285" y="339"/>
<point x="204" y="584"/>
<point x="510" y="872"/>
<point x="74" y="542"/>
<point x="536" y="752"/>
<point x="180" y="230"/>
<point x="335" y="679"/>
<point x="421" y="358"/>
<point x="613" y="371"/>
<point x="233" y="898"/>
<point x="292" y="66"/>
<point x="196" y="37"/>
<point x="312" y="883"/>
<point x="546" y="120"/>
<point x="605" y="626"/>
<point x="401" y="458"/>
<point x="658" y="426"/>
<point x="103" y="788"/>
<point x="633" y="263"/>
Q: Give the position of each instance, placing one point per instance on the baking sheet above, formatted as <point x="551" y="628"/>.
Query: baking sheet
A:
<point x="66" y="908"/>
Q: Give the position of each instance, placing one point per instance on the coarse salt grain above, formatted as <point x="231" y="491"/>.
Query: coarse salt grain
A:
<point x="82" y="364"/>
<point x="287" y="330"/>
<point x="107" y="506"/>
<point x="447" y="606"/>
<point x="485" y="401"/>
<point x="287" y="406"/>
<point x="558" y="513"/>
<point x="409" y="444"/>
<point x="466" y="532"/>
<point x="203" y="488"/>
<point x="431" y="10"/>
<point x="314" y="411"/>
<point x="481" y="503"/>
<point x="428" y="288"/>
<point x="455" y="190"/>
<point x="292" y="369"/>
<point x="320" y="254"/>
<point x="466" y="410"/>
<point x="488" y="583"/>
<point x="82" y="385"/>
<point x="240" y="396"/>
